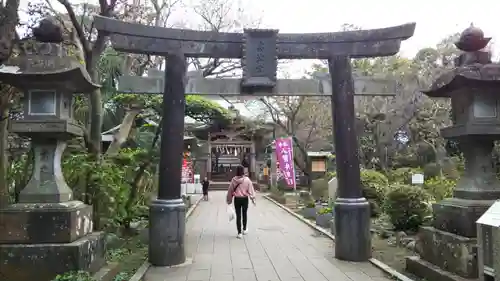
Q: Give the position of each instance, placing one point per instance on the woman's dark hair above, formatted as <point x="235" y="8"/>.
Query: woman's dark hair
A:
<point x="240" y="171"/>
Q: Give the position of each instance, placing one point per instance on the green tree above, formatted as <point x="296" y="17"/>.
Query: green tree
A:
<point x="8" y="21"/>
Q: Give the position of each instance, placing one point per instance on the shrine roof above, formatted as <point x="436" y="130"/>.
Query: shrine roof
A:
<point x="471" y="76"/>
<point x="244" y="128"/>
<point x="319" y="153"/>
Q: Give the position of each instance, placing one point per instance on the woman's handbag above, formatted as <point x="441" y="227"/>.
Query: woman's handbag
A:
<point x="230" y="212"/>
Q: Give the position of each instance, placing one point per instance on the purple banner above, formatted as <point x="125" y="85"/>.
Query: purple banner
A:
<point x="284" y="155"/>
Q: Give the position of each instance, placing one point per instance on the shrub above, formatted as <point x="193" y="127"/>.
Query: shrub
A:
<point x="451" y="168"/>
<point x="280" y="198"/>
<point x="440" y="188"/>
<point x="331" y="175"/>
<point x="275" y="190"/>
<point x="374" y="185"/>
<point x="432" y="170"/>
<point x="460" y="164"/>
<point x="407" y="206"/>
<point x="319" y="189"/>
<point x="403" y="175"/>
<point x="277" y="194"/>
<point x="74" y="276"/>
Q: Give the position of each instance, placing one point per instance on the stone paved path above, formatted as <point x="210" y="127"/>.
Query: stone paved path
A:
<point x="278" y="248"/>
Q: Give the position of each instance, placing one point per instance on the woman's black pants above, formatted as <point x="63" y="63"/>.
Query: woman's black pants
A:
<point x="241" y="208"/>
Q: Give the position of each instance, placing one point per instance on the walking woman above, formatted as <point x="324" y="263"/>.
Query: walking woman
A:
<point x="205" y="184"/>
<point x="241" y="189"/>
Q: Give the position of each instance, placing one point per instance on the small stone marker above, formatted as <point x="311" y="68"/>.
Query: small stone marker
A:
<point x="184" y="187"/>
<point x="417" y="179"/>
<point x="492" y="216"/>
<point x="332" y="190"/>
<point x="488" y="235"/>
<point x="197" y="184"/>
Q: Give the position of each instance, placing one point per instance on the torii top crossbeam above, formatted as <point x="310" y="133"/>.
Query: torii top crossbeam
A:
<point x="142" y="39"/>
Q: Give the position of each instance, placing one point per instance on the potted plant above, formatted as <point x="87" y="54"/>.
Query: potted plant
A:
<point x="320" y="205"/>
<point x="309" y="211"/>
<point x="324" y="216"/>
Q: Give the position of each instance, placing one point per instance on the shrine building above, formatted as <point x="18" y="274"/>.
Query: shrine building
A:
<point x="220" y="150"/>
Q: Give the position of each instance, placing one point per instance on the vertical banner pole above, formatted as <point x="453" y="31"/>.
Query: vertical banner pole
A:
<point x="294" y="175"/>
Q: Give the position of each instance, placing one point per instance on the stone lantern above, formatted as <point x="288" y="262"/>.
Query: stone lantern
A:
<point x="47" y="232"/>
<point x="450" y="244"/>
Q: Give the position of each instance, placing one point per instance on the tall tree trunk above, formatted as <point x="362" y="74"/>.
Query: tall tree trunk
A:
<point x="95" y="123"/>
<point x="4" y="162"/>
<point x="8" y="21"/>
<point x="96" y="106"/>
<point x="121" y="136"/>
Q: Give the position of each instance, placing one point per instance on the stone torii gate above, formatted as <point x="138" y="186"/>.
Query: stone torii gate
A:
<point x="259" y="51"/>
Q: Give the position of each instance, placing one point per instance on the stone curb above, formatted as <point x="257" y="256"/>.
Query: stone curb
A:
<point x="389" y="270"/>
<point x="191" y="210"/>
<point x="140" y="272"/>
<point x="301" y="218"/>
<point x="145" y="266"/>
<point x="382" y="266"/>
<point x="107" y="272"/>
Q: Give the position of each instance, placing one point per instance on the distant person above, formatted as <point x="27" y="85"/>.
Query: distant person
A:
<point x="241" y="189"/>
<point x="205" y="184"/>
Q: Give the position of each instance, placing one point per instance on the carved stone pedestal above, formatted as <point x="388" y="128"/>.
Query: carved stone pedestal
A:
<point x="28" y="262"/>
<point x="450" y="245"/>
<point x="45" y="222"/>
<point x="447" y="251"/>
<point x="41" y="240"/>
<point x="459" y="216"/>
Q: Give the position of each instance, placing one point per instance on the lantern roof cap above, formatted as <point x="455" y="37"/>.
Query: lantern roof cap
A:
<point x="473" y="67"/>
<point x="472" y="39"/>
<point x="47" y="65"/>
<point x="470" y="76"/>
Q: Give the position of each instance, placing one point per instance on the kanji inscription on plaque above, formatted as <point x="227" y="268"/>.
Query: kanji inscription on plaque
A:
<point x="259" y="60"/>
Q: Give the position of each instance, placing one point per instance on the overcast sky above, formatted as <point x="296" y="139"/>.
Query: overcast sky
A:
<point x="435" y="19"/>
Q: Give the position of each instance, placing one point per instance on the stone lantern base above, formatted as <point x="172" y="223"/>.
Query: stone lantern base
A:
<point x="450" y="244"/>
<point x="448" y="249"/>
<point x="40" y="240"/>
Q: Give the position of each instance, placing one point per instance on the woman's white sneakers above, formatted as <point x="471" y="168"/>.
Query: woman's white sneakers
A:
<point x="245" y="232"/>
